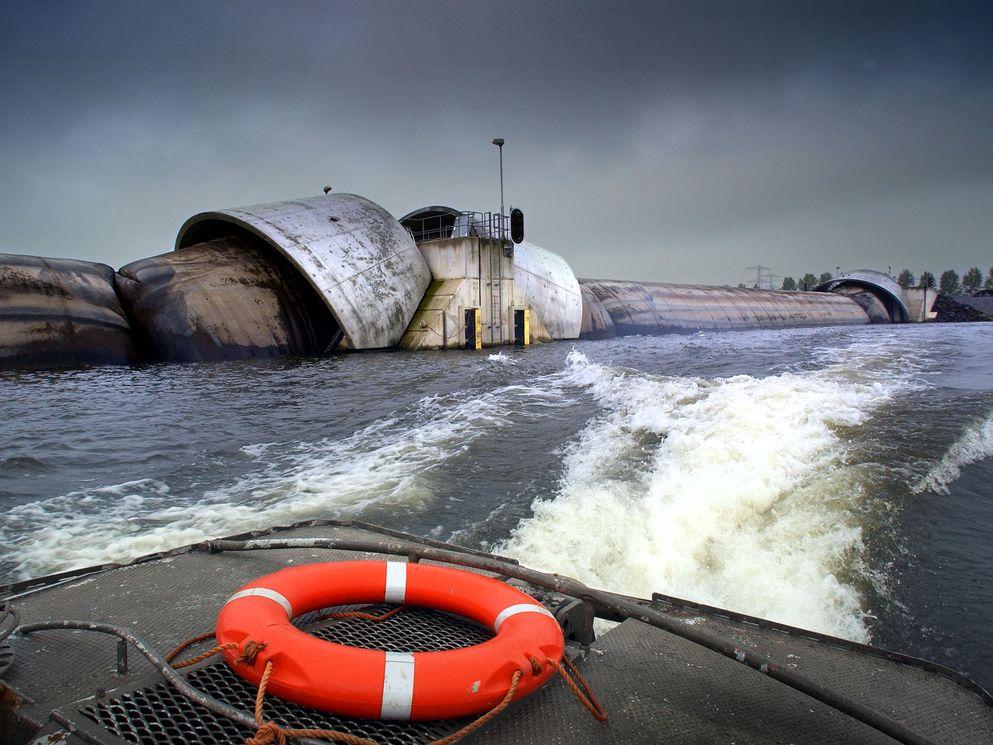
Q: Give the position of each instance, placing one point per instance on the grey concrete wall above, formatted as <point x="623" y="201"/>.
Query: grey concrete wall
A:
<point x="468" y="272"/>
<point x="920" y="303"/>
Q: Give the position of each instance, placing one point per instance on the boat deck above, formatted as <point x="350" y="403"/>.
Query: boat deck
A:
<point x="656" y="686"/>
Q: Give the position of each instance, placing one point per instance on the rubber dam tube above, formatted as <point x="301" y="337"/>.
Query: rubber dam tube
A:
<point x="657" y="308"/>
<point x="56" y="312"/>
<point x="229" y="298"/>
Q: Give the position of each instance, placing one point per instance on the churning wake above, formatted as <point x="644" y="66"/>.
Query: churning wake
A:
<point x="390" y="461"/>
<point x="740" y="492"/>
<point x="732" y="492"/>
<point x="975" y="444"/>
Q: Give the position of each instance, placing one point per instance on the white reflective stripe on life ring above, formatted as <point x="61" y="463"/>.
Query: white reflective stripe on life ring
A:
<point x="396" y="582"/>
<point x="398" y="686"/>
<point x="264" y="592"/>
<point x="513" y="610"/>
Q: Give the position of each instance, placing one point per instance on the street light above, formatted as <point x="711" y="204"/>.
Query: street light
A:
<point x="499" y="143"/>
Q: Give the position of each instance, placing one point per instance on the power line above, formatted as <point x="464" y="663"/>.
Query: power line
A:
<point x="763" y="276"/>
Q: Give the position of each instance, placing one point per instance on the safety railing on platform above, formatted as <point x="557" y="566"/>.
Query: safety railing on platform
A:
<point x="459" y="225"/>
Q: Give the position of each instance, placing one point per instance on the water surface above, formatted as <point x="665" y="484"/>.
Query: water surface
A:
<point x="838" y="479"/>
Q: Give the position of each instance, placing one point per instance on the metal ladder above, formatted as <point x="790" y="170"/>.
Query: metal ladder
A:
<point x="494" y="242"/>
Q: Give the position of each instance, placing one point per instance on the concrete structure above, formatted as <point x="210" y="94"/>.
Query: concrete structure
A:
<point x="877" y="284"/>
<point x="472" y="266"/>
<point x="362" y="263"/>
<point x="657" y="308"/>
<point x="56" y="312"/>
<point x="468" y="272"/>
<point x="920" y="303"/>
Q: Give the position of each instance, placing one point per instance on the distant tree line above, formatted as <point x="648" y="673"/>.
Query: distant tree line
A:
<point x="807" y="282"/>
<point x="949" y="283"/>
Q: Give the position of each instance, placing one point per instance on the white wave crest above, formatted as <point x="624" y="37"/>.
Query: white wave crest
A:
<point x="502" y="359"/>
<point x="388" y="461"/>
<point x="732" y="492"/>
<point x="974" y="445"/>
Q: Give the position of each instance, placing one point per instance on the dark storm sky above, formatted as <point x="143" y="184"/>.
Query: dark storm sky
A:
<point x="677" y="142"/>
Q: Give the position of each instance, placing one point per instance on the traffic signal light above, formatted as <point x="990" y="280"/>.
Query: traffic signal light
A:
<point x="516" y="225"/>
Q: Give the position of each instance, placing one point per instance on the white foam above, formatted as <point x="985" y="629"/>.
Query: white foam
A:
<point x="389" y="461"/>
<point x="973" y="445"/>
<point x="502" y="359"/>
<point x="732" y="492"/>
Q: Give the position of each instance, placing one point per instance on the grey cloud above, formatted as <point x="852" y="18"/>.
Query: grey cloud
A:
<point x="680" y="142"/>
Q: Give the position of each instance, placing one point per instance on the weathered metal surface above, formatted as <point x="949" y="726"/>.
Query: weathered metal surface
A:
<point x="57" y="312"/>
<point x="870" y="302"/>
<point x="361" y="261"/>
<point x="654" y="308"/>
<point x="879" y="284"/>
<point x="597" y="323"/>
<point x="544" y="282"/>
<point x="229" y="298"/>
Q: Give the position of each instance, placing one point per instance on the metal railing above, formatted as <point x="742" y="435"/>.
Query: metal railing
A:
<point x="459" y="225"/>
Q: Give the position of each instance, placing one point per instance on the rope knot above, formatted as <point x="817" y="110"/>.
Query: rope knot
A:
<point x="250" y="651"/>
<point x="267" y="733"/>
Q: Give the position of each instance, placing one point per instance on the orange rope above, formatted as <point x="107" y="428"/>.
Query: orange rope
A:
<point x="474" y="725"/>
<point x="248" y="652"/>
<point x="204" y="655"/>
<point x="189" y="642"/>
<point x="579" y="687"/>
<point x="269" y="732"/>
<point x="361" y="615"/>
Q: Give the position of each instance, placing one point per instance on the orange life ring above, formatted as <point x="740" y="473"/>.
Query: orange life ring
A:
<point x="373" y="684"/>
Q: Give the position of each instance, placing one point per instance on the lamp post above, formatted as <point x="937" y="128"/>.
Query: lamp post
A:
<point x="499" y="143"/>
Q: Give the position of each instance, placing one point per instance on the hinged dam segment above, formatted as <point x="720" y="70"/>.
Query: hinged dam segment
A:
<point x="312" y="275"/>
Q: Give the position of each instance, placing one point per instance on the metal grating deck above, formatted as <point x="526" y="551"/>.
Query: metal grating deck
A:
<point x="155" y="712"/>
<point x="657" y="687"/>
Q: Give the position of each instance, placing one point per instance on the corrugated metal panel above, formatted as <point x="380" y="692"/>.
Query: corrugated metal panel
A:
<point x="363" y="263"/>
<point x="545" y="282"/>
<point x="655" y="308"/>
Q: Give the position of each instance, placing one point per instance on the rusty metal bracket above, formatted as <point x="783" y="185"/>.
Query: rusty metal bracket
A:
<point x="576" y="619"/>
